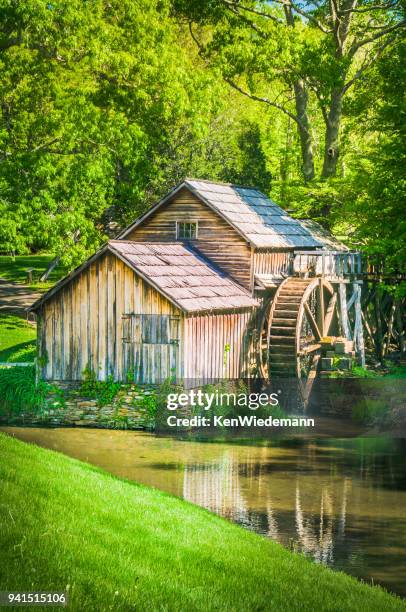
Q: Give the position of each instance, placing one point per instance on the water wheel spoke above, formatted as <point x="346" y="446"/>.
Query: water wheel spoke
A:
<point x="311" y="348"/>
<point x="312" y="322"/>
<point x="301" y="314"/>
<point x="263" y="340"/>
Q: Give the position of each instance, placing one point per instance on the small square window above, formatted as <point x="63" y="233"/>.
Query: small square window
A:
<point x="186" y="230"/>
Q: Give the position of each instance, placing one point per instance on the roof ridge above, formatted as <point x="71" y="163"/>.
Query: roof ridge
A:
<point x="250" y="187"/>
<point x="152" y="243"/>
<point x="259" y="220"/>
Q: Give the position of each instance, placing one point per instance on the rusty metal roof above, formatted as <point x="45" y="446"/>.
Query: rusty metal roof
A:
<point x="253" y="215"/>
<point x="323" y="235"/>
<point x="184" y="277"/>
<point x="262" y="222"/>
<point x="190" y="282"/>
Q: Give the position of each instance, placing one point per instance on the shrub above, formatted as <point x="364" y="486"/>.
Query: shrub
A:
<point x="363" y="372"/>
<point x="104" y="391"/>
<point x="19" y="391"/>
<point x="155" y="403"/>
<point x="369" y="411"/>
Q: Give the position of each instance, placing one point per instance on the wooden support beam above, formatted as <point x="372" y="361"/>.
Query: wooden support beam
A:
<point x="344" y="311"/>
<point x="367" y="327"/>
<point x="321" y="309"/>
<point x="329" y="314"/>
<point x="352" y="299"/>
<point x="358" y="331"/>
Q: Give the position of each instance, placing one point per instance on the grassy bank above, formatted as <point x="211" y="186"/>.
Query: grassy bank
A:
<point x="123" y="546"/>
<point x="17" y="339"/>
<point x="14" y="269"/>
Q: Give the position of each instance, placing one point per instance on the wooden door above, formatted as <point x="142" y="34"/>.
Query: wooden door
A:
<point x="151" y="347"/>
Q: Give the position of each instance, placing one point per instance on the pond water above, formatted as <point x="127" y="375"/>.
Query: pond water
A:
<point x="341" y="502"/>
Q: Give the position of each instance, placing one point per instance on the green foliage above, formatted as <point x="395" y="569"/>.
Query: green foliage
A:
<point x="369" y="411"/>
<point x="17" y="339"/>
<point x="19" y="391"/>
<point x="150" y="404"/>
<point x="104" y="391"/>
<point x="14" y="268"/>
<point x="154" y="403"/>
<point x="378" y="160"/>
<point x="105" y="108"/>
<point x="254" y="46"/>
<point x="396" y="370"/>
<point x="361" y="372"/>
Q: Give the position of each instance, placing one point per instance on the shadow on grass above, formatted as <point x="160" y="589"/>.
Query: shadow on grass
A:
<point x="15" y="269"/>
<point x="23" y="352"/>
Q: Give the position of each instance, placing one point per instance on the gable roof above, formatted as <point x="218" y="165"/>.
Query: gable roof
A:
<point x="320" y="233"/>
<point x="255" y="217"/>
<point x="187" y="280"/>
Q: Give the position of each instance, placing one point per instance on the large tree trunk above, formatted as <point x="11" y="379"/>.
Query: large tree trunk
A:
<point x="301" y="99"/>
<point x="332" y="151"/>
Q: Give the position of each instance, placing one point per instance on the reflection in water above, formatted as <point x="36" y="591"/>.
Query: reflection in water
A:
<point x="315" y="537"/>
<point x="216" y="486"/>
<point x="341" y="502"/>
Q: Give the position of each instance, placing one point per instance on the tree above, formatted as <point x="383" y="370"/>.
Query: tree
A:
<point x="103" y="108"/>
<point x="377" y="208"/>
<point x="306" y="54"/>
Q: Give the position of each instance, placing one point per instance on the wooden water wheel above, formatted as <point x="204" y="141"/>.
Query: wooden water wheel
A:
<point x="293" y="323"/>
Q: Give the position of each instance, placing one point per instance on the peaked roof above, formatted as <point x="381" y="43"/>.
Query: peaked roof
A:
<point x="323" y="235"/>
<point x="188" y="280"/>
<point x="257" y="218"/>
<point x="177" y="272"/>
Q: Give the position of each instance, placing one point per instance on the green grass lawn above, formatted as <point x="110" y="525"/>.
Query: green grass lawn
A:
<point x="123" y="546"/>
<point x="17" y="339"/>
<point x="15" y="269"/>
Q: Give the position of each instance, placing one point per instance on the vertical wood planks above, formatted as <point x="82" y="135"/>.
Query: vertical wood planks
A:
<point x="205" y="340"/>
<point x="269" y="261"/>
<point x="67" y="317"/>
<point x="93" y="310"/>
<point x="82" y="325"/>
<point x="110" y="315"/>
<point x="119" y="291"/>
<point x="217" y="240"/>
<point x="101" y="330"/>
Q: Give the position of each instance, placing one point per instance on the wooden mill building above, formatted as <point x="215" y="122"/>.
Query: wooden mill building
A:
<point x="214" y="281"/>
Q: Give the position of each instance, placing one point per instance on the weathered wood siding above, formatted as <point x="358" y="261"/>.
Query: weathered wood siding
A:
<point x="217" y="240"/>
<point x="216" y="346"/>
<point x="267" y="261"/>
<point x="82" y="326"/>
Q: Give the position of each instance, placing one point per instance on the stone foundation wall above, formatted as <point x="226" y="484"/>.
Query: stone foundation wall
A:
<point x="67" y="408"/>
